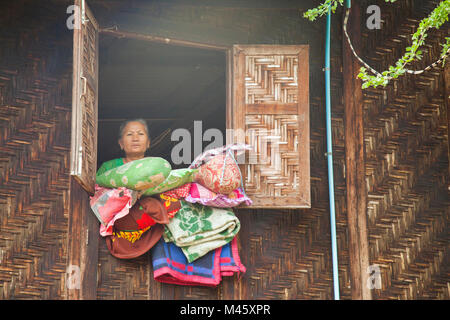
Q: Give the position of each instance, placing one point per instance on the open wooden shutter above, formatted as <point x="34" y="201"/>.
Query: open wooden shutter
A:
<point x="84" y="98"/>
<point x="270" y="111"/>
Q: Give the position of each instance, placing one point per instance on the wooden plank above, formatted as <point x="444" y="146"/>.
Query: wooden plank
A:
<point x="77" y="44"/>
<point x="82" y="246"/>
<point x="165" y="40"/>
<point x="304" y="176"/>
<point x="271" y="203"/>
<point x="238" y="95"/>
<point x="272" y="108"/>
<point x="147" y="119"/>
<point x="243" y="288"/>
<point x="277" y="128"/>
<point x="74" y="255"/>
<point x="85" y="100"/>
<point x="229" y="91"/>
<point x="83" y="226"/>
<point x="447" y="103"/>
<point x="268" y="49"/>
<point x="355" y="164"/>
<point x="168" y="24"/>
<point x="89" y="249"/>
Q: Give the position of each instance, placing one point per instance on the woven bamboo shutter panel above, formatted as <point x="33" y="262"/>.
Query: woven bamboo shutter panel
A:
<point x="85" y="99"/>
<point x="270" y="111"/>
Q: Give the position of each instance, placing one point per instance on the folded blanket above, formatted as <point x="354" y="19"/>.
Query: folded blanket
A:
<point x="198" y="229"/>
<point x="171" y="198"/>
<point x="170" y="265"/>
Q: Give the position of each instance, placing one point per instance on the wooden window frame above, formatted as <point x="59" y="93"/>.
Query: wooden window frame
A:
<point x="83" y="226"/>
<point x="83" y="163"/>
<point x="233" y="99"/>
<point x="295" y="111"/>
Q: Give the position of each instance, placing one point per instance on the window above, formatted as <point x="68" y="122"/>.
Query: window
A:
<point x="83" y="163"/>
<point x="270" y="111"/>
<point x="267" y="106"/>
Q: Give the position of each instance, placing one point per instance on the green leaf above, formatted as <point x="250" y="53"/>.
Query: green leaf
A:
<point x="435" y="19"/>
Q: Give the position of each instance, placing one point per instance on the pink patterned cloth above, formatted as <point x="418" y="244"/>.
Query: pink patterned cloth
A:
<point x="179" y="192"/>
<point x="218" y="169"/>
<point x="221" y="174"/>
<point x="209" y="154"/>
<point x="200" y="194"/>
<point x="109" y="205"/>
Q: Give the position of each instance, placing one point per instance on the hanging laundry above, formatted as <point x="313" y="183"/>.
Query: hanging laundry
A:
<point x="188" y="208"/>
<point x="198" y="229"/>
<point x="171" y="266"/>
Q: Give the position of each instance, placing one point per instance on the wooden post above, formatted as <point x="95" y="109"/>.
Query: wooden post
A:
<point x="447" y="103"/>
<point x="81" y="277"/>
<point x="355" y="162"/>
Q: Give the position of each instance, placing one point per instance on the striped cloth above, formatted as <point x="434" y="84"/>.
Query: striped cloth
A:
<point x="171" y="266"/>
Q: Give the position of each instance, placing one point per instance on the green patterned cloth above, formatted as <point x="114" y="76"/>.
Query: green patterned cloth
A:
<point x="108" y="165"/>
<point x="137" y="175"/>
<point x="198" y="229"/>
<point x="149" y="175"/>
<point x="176" y="178"/>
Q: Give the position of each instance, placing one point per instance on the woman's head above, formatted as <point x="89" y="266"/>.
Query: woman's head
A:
<point x="134" y="138"/>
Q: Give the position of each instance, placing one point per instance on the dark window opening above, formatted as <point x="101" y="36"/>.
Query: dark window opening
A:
<point x="169" y="86"/>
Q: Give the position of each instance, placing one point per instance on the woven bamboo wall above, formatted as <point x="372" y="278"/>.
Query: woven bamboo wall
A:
<point x="286" y="252"/>
<point x="35" y="105"/>
<point x="407" y="165"/>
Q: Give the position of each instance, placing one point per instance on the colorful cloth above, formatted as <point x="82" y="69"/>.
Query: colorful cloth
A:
<point x="204" y="196"/>
<point x="168" y="203"/>
<point x="109" y="205"/>
<point x="176" y="178"/>
<point x="139" y="230"/>
<point x="221" y="174"/>
<point x="141" y="174"/>
<point x="198" y="229"/>
<point x="180" y="192"/>
<point x="171" y="197"/>
<point x="171" y="266"/>
<point x="209" y="154"/>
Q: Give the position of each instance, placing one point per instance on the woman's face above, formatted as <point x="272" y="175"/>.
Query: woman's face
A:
<point x="134" y="140"/>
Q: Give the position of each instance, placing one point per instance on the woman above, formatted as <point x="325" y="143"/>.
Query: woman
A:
<point x="134" y="140"/>
<point x="136" y="232"/>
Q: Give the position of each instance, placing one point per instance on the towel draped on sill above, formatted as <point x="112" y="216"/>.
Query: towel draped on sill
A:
<point x="198" y="229"/>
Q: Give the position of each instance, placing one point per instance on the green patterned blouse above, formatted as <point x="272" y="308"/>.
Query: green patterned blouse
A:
<point x="108" y="165"/>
